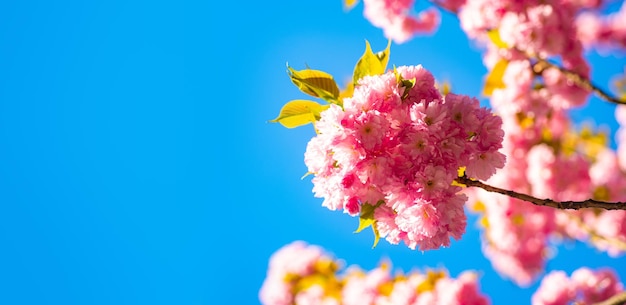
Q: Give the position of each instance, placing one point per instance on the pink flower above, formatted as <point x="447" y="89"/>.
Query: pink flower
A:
<point x="555" y="289"/>
<point x="404" y="145"/>
<point x="420" y="220"/>
<point x="424" y="87"/>
<point x="596" y="286"/>
<point x="541" y="29"/>
<point x="585" y="287"/>
<point x="603" y="31"/>
<point x="294" y="260"/>
<point x="433" y="180"/>
<point x="563" y="92"/>
<point x="364" y="288"/>
<point x="314" y="295"/>
<point x="321" y="282"/>
<point x="393" y="17"/>
<point x="353" y="206"/>
<point x="484" y="165"/>
<point x="546" y="172"/>
<point x="387" y="226"/>
<point x="463" y="290"/>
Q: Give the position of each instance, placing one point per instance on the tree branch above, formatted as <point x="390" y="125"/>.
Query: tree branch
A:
<point x="565" y="205"/>
<point x="618" y="299"/>
<point x="541" y="65"/>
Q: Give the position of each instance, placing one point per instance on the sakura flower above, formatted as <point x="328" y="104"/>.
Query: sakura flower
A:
<point x="401" y="143"/>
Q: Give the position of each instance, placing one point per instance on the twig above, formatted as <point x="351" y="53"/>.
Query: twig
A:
<point x="542" y="64"/>
<point x="618" y="299"/>
<point x="565" y="205"/>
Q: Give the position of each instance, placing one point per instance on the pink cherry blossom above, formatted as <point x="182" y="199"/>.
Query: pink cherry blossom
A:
<point x="596" y="286"/>
<point x="295" y="260"/>
<point x="320" y="282"/>
<point x="394" y="17"/>
<point x="555" y="289"/>
<point x="602" y="31"/>
<point x="403" y="145"/>
<point x="585" y="287"/>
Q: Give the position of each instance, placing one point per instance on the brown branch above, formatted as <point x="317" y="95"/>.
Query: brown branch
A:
<point x="618" y="299"/>
<point x="565" y="205"/>
<point x="541" y="65"/>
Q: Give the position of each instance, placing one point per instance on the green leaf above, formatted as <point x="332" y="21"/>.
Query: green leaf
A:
<point x="366" y="219"/>
<point x="494" y="79"/>
<point x="315" y="83"/>
<point x="408" y="84"/>
<point x="494" y="36"/>
<point x="370" y="63"/>
<point x="299" y="112"/>
<point x="348" y="91"/>
<point x="306" y="175"/>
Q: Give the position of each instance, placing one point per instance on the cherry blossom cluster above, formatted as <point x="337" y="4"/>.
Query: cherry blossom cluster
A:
<point x="551" y="25"/>
<point x="544" y="28"/>
<point x="396" y="20"/>
<point x="305" y="275"/>
<point x="584" y="287"/>
<point x="397" y="144"/>
<point x="594" y="29"/>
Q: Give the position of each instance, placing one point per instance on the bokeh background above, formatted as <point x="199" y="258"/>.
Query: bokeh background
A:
<point x="137" y="164"/>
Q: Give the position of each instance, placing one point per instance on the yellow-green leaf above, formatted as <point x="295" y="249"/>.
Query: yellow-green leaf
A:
<point x="430" y="282"/>
<point x="494" y="79"/>
<point x="376" y="236"/>
<point x="366" y="219"/>
<point x="349" y="4"/>
<point x="306" y="175"/>
<point x="383" y="56"/>
<point x="299" y="112"/>
<point x="370" y="63"/>
<point x="460" y="173"/>
<point x="315" y="83"/>
<point x="494" y="36"/>
<point x="348" y="91"/>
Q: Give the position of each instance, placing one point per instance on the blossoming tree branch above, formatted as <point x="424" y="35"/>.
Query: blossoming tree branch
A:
<point x="547" y="157"/>
<point x="407" y="157"/>
<point x="390" y="151"/>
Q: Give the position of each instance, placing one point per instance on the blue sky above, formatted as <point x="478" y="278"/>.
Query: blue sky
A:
<point x="137" y="165"/>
